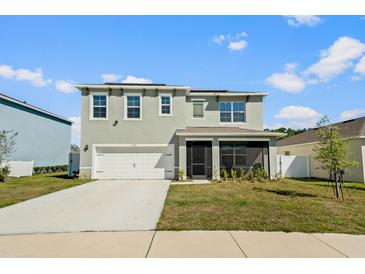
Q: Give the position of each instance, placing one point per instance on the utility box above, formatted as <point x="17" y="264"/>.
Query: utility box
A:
<point x="73" y="164"/>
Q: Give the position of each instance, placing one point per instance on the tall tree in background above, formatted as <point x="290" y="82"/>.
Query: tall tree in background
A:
<point x="332" y="152"/>
<point x="289" y="131"/>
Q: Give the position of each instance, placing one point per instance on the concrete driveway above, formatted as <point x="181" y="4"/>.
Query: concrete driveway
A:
<point x="104" y="205"/>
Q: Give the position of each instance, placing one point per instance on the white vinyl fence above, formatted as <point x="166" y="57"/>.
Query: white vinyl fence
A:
<point x="293" y="166"/>
<point x="21" y="168"/>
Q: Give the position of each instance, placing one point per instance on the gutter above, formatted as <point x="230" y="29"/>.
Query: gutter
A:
<point x="127" y="87"/>
<point x="263" y="134"/>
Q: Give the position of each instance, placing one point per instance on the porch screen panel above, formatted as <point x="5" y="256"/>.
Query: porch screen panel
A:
<point x="245" y="155"/>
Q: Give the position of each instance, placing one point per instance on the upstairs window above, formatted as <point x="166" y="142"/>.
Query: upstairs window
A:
<point x="225" y="109"/>
<point x="232" y="112"/>
<point x="165" y="105"/>
<point x="133" y="107"/>
<point x="99" y="107"/>
<point x="198" y="109"/>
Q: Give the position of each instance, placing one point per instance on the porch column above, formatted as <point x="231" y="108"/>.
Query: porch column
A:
<point x="182" y="155"/>
<point x="216" y="159"/>
<point x="272" y="156"/>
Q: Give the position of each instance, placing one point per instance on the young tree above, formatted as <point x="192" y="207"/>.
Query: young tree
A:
<point x="324" y="121"/>
<point x="7" y="145"/>
<point x="332" y="152"/>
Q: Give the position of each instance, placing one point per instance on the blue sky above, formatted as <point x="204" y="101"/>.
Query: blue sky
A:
<point x="310" y="66"/>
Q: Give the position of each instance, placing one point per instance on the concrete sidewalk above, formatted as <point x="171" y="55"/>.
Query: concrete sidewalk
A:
<point x="183" y="244"/>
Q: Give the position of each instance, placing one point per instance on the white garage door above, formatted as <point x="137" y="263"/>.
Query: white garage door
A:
<point x="134" y="166"/>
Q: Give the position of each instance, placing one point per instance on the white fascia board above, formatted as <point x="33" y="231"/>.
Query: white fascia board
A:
<point x="229" y="134"/>
<point x="199" y="139"/>
<point x="127" y="87"/>
<point x="243" y="139"/>
<point x="227" y="94"/>
<point x="131" y="145"/>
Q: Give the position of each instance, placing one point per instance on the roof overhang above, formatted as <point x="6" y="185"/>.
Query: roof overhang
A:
<point x="227" y="94"/>
<point x="129" y="87"/>
<point x="230" y="134"/>
<point x="39" y="110"/>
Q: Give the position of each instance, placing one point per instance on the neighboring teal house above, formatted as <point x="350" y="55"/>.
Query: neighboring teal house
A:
<point x="43" y="137"/>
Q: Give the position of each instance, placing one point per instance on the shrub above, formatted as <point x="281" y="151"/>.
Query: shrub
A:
<point x="180" y="175"/>
<point x="233" y="175"/>
<point x="49" y="169"/>
<point x="242" y="175"/>
<point x="225" y="175"/>
<point x="4" y="173"/>
<point x="258" y="175"/>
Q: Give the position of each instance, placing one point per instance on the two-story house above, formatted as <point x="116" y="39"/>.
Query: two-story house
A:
<point x="42" y="137"/>
<point x="151" y="131"/>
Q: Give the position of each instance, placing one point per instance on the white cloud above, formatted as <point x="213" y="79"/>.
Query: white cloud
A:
<point x="336" y="59"/>
<point x="298" y="116"/>
<point x="34" y="77"/>
<point x="110" y="77"/>
<point x="6" y="72"/>
<point x="360" y="66"/>
<point x="356" y="77"/>
<point x="303" y="20"/>
<point x="333" y="61"/>
<point x="134" y="79"/>
<point x="234" y="42"/>
<point x="65" y="86"/>
<point x="75" y="130"/>
<point x="237" y="45"/>
<point x="288" y="81"/>
<point x="218" y="39"/>
<point x="352" y="114"/>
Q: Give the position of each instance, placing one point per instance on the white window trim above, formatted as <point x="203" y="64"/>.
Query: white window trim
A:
<point x="126" y="107"/>
<point x="160" y="104"/>
<point x="202" y="102"/>
<point x="232" y="122"/>
<point x="91" y="104"/>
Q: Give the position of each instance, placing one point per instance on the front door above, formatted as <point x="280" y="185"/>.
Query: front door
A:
<point x="199" y="159"/>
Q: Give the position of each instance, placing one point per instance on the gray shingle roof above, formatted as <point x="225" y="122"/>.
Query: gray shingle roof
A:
<point x="349" y="128"/>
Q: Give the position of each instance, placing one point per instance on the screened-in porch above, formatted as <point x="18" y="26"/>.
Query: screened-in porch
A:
<point x="244" y="155"/>
<point x="204" y="152"/>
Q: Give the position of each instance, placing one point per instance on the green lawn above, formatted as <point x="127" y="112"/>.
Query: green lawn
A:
<point x="290" y="205"/>
<point x="16" y="190"/>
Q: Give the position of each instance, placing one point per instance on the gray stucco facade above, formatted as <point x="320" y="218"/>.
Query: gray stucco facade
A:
<point x="43" y="137"/>
<point x="157" y="133"/>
